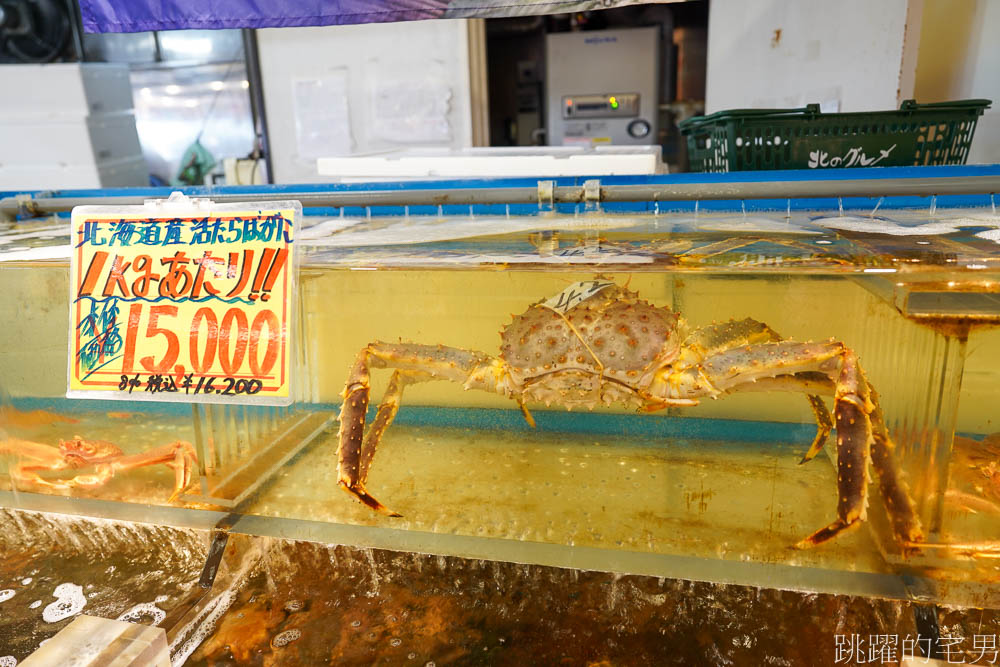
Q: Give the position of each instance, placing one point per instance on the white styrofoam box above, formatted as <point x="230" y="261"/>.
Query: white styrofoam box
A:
<point x="44" y="139"/>
<point x="498" y="162"/>
<point x="128" y="172"/>
<point x="76" y="89"/>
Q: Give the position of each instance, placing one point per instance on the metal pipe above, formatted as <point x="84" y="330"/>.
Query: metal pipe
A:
<point x="157" y="49"/>
<point x="890" y="187"/>
<point x="664" y="192"/>
<point x="76" y="27"/>
<point x="262" y="145"/>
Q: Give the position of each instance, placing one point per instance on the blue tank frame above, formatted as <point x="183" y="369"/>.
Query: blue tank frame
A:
<point x="803" y="175"/>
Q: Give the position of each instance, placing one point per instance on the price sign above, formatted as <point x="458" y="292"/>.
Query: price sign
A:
<point x="182" y="300"/>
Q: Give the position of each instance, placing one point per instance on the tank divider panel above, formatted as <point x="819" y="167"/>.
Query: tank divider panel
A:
<point x="935" y="304"/>
<point x="248" y="478"/>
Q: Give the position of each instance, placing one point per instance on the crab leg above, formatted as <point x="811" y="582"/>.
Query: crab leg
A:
<point x="718" y="337"/>
<point x="814" y="383"/>
<point x="179" y="455"/>
<point x="38" y="457"/>
<point x="45" y="457"/>
<point x="861" y="434"/>
<point x="854" y="442"/>
<point x="895" y="493"/>
<point x="413" y="363"/>
<point x="387" y="410"/>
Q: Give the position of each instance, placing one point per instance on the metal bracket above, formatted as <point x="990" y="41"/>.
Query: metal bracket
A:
<point x="925" y="617"/>
<point x="26" y="206"/>
<point x="214" y="558"/>
<point x="546" y="195"/>
<point x="591" y="194"/>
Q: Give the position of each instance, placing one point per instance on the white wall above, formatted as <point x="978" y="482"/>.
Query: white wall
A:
<point x="847" y="55"/>
<point x="959" y="58"/>
<point x="344" y="90"/>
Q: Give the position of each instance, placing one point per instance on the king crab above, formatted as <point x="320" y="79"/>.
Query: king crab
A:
<point x="598" y="343"/>
<point x="106" y="458"/>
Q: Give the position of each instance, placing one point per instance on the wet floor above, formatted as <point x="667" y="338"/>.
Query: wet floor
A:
<point x="53" y="567"/>
<point x="281" y="602"/>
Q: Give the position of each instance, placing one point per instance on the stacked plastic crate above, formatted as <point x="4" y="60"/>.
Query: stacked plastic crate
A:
<point x="68" y="126"/>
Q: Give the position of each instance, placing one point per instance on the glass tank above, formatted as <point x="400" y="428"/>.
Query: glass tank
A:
<point x="799" y="397"/>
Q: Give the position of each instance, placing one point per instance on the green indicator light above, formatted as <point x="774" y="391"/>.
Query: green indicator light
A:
<point x="614" y="102"/>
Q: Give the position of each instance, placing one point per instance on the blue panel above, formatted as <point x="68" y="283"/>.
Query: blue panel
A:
<point x="804" y="175"/>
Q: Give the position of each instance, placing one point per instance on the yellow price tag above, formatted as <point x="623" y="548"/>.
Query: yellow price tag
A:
<point x="183" y="300"/>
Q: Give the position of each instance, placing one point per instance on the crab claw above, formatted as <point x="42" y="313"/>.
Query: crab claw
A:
<point x="178" y="455"/>
<point x="822" y="535"/>
<point x="183" y="463"/>
<point x="361" y="493"/>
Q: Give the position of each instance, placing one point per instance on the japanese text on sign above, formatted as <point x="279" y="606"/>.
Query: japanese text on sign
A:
<point x="182" y="307"/>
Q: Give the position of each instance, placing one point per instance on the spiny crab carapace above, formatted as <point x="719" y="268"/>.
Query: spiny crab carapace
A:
<point x="597" y="343"/>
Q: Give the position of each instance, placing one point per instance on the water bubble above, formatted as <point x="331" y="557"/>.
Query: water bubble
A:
<point x="35" y="605"/>
<point x="69" y="601"/>
<point x="205" y="625"/>
<point x="294" y="606"/>
<point x="411" y="656"/>
<point x="285" y="638"/>
<point x="355" y="624"/>
<point x="8" y="661"/>
<point x="142" y="611"/>
<point x="26" y="581"/>
<point x="430" y="663"/>
<point x="395" y="642"/>
<point x="6" y="594"/>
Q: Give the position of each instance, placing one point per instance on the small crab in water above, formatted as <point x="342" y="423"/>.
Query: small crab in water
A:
<point x="106" y="458"/>
<point x="596" y="343"/>
<point x="975" y="466"/>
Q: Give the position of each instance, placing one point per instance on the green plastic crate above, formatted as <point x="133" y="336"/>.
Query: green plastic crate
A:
<point x="752" y="139"/>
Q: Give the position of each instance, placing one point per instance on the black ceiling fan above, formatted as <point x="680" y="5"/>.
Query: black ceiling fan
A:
<point x="33" y="31"/>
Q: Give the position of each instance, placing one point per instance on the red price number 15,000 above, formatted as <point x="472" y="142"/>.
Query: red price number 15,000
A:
<point x="231" y="347"/>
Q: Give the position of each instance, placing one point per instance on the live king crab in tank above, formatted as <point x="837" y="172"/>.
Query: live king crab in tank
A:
<point x="104" y="457"/>
<point x="597" y="343"/>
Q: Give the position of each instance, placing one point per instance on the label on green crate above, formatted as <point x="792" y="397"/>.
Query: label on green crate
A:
<point x="182" y="300"/>
<point x="847" y="152"/>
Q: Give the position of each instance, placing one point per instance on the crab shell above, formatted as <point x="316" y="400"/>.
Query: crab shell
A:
<point x="79" y="452"/>
<point x="602" y="350"/>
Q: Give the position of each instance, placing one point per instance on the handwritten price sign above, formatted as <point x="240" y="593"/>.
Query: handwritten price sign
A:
<point x="182" y="300"/>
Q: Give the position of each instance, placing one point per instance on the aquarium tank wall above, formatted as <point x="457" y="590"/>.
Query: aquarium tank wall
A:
<point x="785" y="381"/>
